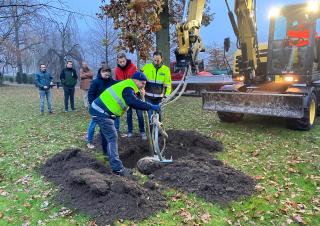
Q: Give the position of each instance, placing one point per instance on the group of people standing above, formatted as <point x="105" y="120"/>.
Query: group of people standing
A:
<point x="68" y="78"/>
<point x="109" y="98"/>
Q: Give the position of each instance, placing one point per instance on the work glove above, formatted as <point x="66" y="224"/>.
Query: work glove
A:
<point x="45" y="87"/>
<point x="156" y="107"/>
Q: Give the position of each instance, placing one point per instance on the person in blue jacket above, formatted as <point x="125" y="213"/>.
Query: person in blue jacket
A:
<point x="97" y="86"/>
<point x="44" y="83"/>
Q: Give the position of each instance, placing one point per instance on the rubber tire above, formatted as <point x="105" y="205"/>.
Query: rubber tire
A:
<point x="230" y="117"/>
<point x="303" y="124"/>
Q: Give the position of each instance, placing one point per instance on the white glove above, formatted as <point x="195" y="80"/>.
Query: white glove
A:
<point x="45" y="87"/>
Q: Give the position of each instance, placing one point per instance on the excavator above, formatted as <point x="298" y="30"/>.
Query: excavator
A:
<point x="280" y="79"/>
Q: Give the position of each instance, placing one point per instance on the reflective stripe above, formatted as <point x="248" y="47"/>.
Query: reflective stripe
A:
<point x="97" y="108"/>
<point x="114" y="95"/>
<point x="154" y="95"/>
<point x="157" y="82"/>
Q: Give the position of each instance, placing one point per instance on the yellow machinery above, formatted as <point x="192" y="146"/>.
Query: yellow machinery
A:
<point x="279" y="79"/>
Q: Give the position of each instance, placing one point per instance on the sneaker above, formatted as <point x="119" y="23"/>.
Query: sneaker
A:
<point x="143" y="136"/>
<point x="125" y="172"/>
<point x="50" y="112"/>
<point x="66" y="111"/>
<point x="130" y="135"/>
<point x="90" y="146"/>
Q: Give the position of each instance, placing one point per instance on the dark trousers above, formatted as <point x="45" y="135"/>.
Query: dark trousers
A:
<point x="109" y="138"/>
<point x="68" y="93"/>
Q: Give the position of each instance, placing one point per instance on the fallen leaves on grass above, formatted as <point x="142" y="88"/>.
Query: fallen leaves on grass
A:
<point x="3" y="193"/>
<point x="186" y="215"/>
<point x="298" y="219"/>
<point x="92" y="223"/>
<point x="260" y="187"/>
<point x="256" y="153"/>
<point x="259" y="177"/>
<point x="176" y="197"/>
<point x="205" y="218"/>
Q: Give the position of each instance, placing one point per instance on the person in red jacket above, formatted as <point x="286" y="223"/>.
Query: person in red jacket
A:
<point x="123" y="71"/>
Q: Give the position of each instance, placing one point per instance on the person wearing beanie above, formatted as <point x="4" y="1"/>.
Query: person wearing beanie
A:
<point x="124" y="70"/>
<point x="97" y="86"/>
<point x="113" y="103"/>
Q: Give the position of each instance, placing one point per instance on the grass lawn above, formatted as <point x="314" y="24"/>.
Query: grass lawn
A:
<point x="285" y="163"/>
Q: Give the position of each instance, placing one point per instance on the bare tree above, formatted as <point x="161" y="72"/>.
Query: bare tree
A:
<point x="97" y="45"/>
<point x="62" y="45"/>
<point x="219" y="60"/>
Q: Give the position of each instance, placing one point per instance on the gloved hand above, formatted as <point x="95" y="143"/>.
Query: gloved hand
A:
<point x="45" y="87"/>
<point x="156" y="107"/>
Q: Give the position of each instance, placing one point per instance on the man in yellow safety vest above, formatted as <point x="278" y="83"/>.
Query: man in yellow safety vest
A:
<point x="159" y="80"/>
<point x="113" y="103"/>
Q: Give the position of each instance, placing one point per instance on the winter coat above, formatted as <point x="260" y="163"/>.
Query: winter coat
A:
<point x="69" y="77"/>
<point x="85" y="79"/>
<point x="43" y="79"/>
<point x="97" y="87"/>
<point x="122" y="73"/>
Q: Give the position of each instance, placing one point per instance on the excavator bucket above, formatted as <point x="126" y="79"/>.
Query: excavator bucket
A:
<point x="280" y="105"/>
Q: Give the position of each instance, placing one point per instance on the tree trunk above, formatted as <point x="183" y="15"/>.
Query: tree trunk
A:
<point x="163" y="36"/>
<point x="17" y="40"/>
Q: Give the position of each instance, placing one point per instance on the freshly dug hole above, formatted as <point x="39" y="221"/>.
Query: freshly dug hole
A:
<point x="194" y="169"/>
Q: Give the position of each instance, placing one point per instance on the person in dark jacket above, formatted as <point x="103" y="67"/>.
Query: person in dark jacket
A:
<point x="98" y="85"/>
<point x="113" y="103"/>
<point x="69" y="80"/>
<point x="44" y="83"/>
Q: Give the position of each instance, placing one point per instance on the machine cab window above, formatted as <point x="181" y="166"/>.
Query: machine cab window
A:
<point x="291" y="34"/>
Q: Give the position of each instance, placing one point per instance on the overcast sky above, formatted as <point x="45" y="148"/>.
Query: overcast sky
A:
<point x="215" y="32"/>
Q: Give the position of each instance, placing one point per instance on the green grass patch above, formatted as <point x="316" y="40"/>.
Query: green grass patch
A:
<point x="285" y="163"/>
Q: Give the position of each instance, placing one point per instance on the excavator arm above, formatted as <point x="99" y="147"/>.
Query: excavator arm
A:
<point x="189" y="40"/>
<point x="190" y="43"/>
<point x="245" y="30"/>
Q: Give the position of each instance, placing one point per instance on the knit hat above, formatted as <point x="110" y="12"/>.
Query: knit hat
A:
<point x="139" y="76"/>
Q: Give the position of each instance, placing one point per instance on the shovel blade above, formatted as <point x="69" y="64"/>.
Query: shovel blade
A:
<point x="280" y="105"/>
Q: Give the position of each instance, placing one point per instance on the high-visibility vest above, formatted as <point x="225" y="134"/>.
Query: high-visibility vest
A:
<point x="299" y="38"/>
<point x="158" y="80"/>
<point x="112" y="97"/>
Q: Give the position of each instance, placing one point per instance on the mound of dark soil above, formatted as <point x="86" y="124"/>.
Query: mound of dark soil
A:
<point x="194" y="169"/>
<point x="88" y="186"/>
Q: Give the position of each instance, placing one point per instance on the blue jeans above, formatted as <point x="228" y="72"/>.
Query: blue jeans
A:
<point x="129" y="121"/>
<point x="91" y="128"/>
<point x="110" y="141"/>
<point x="68" y="93"/>
<point x="140" y="120"/>
<point x="45" y="94"/>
